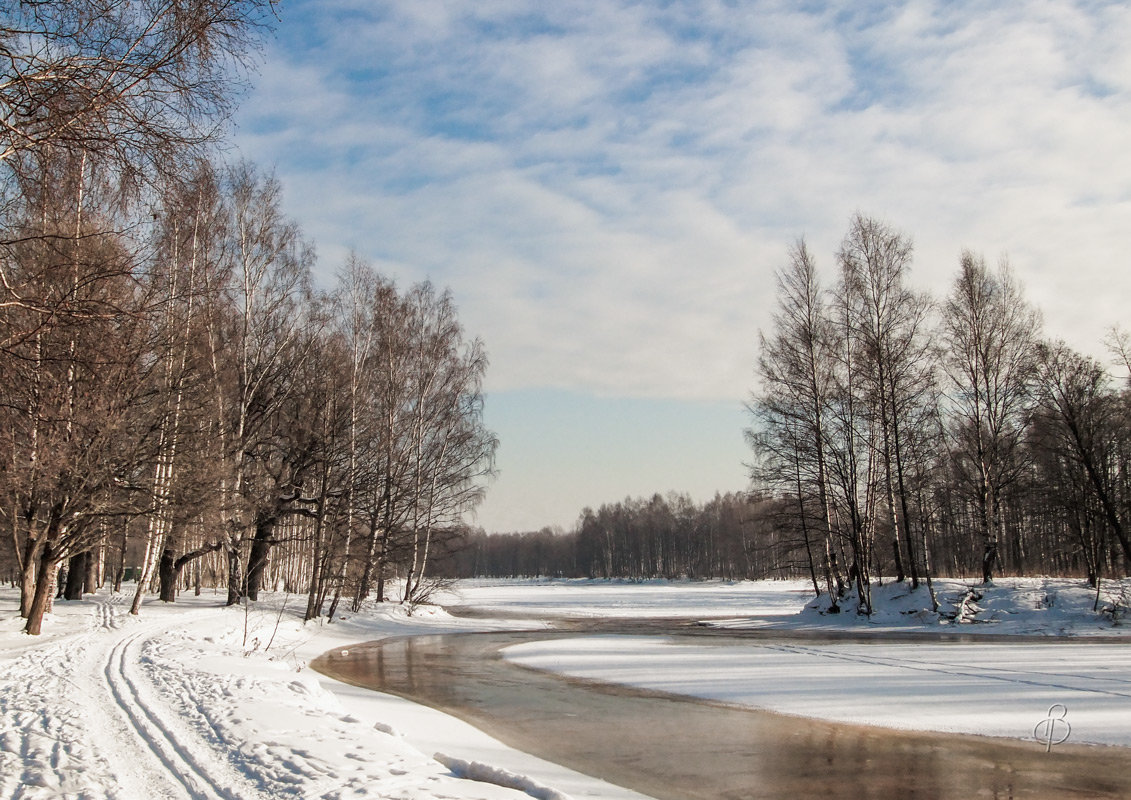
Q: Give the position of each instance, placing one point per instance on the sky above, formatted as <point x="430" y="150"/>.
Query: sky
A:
<point x="607" y="188"/>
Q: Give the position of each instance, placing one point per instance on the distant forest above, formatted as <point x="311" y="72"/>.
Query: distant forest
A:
<point x="893" y="435"/>
<point x="660" y="537"/>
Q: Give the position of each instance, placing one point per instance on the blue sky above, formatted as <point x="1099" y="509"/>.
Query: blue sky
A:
<point x="608" y="186"/>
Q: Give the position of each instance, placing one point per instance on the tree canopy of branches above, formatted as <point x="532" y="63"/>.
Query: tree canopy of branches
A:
<point x="130" y="83"/>
<point x="178" y="399"/>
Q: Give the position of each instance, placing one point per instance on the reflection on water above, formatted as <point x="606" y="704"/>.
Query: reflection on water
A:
<point x="670" y="747"/>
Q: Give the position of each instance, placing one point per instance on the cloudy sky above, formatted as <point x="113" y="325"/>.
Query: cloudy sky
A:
<point x="608" y="186"/>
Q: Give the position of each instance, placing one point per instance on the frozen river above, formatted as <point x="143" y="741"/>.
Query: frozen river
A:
<point x="676" y="747"/>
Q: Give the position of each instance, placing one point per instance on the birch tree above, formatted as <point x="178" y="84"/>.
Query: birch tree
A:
<point x="890" y="321"/>
<point x="189" y="249"/>
<point x="258" y="336"/>
<point x="795" y="368"/>
<point x="989" y="334"/>
<point x="451" y="451"/>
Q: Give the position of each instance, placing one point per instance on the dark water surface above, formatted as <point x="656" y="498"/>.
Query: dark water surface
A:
<point x="679" y="748"/>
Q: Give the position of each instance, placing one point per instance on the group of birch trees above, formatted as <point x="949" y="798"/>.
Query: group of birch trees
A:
<point x="174" y="388"/>
<point x="913" y="436"/>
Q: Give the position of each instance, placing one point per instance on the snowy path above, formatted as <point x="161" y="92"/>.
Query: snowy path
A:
<point x="188" y="767"/>
<point x="92" y="722"/>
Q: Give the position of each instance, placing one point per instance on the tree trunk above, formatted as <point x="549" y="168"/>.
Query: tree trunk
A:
<point x="167" y="575"/>
<point x="901" y="492"/>
<point x="805" y="538"/>
<point x="44" y="589"/>
<point x="381" y="567"/>
<point x="260" y="554"/>
<point x="154" y="535"/>
<point x="235" y="576"/>
<point x="334" y="604"/>
<point x="170" y="569"/>
<point x="367" y="569"/>
<point x="314" y="588"/>
<point x="95" y="569"/>
<point x="120" y="569"/>
<point x="76" y="576"/>
<point x="28" y="574"/>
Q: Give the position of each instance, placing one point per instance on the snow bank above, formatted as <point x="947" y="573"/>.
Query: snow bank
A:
<point x="1012" y="606"/>
<point x="500" y="777"/>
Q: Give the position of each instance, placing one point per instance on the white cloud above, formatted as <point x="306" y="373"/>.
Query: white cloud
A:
<point x="607" y="187"/>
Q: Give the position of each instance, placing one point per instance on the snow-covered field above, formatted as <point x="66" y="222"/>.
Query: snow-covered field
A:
<point x="197" y="700"/>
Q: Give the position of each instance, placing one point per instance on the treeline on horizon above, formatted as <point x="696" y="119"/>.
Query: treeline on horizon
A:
<point x="177" y="399"/>
<point x="894" y="435"/>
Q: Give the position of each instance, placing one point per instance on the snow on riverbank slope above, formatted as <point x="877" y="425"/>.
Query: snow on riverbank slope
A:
<point x="197" y="700"/>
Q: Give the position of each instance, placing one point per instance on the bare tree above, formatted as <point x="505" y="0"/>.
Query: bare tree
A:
<point x="87" y="430"/>
<point x="72" y="377"/>
<point x="890" y="320"/>
<point x="128" y="81"/>
<point x="851" y="452"/>
<point x="1093" y="429"/>
<point x="259" y="335"/>
<point x="450" y="450"/>
<point x="190" y="234"/>
<point x="989" y="333"/>
<point x="360" y="306"/>
<point x="795" y="367"/>
<point x="130" y="90"/>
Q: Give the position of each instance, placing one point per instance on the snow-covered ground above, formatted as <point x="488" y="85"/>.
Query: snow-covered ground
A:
<point x="197" y="700"/>
<point x="989" y="689"/>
